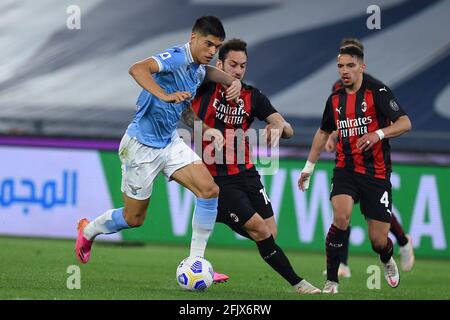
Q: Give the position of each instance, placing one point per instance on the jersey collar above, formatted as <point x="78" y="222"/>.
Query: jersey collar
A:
<point x="189" y="54"/>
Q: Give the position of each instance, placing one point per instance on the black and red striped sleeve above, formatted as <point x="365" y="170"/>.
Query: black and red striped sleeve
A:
<point x="262" y="106"/>
<point x="328" y="124"/>
<point x="387" y="104"/>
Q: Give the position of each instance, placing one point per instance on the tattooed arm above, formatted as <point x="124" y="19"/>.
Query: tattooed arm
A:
<point x="210" y="134"/>
<point x="188" y="117"/>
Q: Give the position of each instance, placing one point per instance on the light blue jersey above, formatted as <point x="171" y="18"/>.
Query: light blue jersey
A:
<point x="155" y="121"/>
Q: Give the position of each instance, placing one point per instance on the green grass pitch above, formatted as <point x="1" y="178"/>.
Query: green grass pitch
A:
<point x="37" y="269"/>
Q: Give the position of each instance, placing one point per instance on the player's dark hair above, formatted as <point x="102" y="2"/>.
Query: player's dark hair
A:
<point x="232" y="45"/>
<point x="209" y="25"/>
<point x="352" y="42"/>
<point x="353" y="51"/>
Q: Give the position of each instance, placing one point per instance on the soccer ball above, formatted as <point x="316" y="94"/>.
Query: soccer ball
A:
<point x="195" y="274"/>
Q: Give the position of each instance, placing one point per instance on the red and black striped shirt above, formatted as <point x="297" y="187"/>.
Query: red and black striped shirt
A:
<point x="216" y="112"/>
<point x="371" y="108"/>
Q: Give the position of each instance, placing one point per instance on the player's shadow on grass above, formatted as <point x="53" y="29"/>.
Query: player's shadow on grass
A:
<point x="121" y="244"/>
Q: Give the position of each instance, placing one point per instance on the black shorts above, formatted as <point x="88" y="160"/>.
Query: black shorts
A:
<point x="373" y="194"/>
<point x="241" y="196"/>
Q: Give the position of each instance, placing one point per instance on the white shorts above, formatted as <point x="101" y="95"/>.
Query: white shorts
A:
<point x="141" y="164"/>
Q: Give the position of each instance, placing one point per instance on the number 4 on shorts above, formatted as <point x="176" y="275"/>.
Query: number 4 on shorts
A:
<point x="385" y="199"/>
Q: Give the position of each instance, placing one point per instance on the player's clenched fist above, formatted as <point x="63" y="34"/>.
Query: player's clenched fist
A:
<point x="234" y="90"/>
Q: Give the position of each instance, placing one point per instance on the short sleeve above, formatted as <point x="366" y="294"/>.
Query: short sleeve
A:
<point x="169" y="60"/>
<point x="328" y="123"/>
<point x="262" y="107"/>
<point x="388" y="104"/>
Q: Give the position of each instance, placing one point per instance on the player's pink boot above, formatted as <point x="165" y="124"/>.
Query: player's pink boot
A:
<point x="83" y="245"/>
<point x="219" y="277"/>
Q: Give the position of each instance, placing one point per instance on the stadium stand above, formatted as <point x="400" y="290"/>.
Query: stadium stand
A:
<point x="60" y="82"/>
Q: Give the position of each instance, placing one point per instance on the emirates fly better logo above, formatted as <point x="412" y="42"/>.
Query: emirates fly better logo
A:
<point x="230" y="114"/>
<point x="353" y="127"/>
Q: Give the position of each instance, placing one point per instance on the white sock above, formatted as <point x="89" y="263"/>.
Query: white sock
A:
<point x="110" y="222"/>
<point x="202" y="225"/>
<point x="199" y="241"/>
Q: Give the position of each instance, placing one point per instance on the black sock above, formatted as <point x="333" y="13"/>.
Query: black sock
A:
<point x="334" y="247"/>
<point x="344" y="256"/>
<point x="385" y="253"/>
<point x="275" y="257"/>
<point x="398" y="232"/>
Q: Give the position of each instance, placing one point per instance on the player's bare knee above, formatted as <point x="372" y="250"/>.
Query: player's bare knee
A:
<point x="341" y="221"/>
<point x="272" y="229"/>
<point x="259" y="231"/>
<point x="378" y="244"/>
<point x="210" y="191"/>
<point x="215" y="191"/>
<point x="274" y="233"/>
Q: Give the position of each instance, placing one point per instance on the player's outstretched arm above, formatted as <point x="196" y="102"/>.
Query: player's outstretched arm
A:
<point x="277" y="127"/>
<point x="319" y="141"/>
<point x="399" y="127"/>
<point x="233" y="85"/>
<point x="278" y="121"/>
<point x="142" y="72"/>
<point x="330" y="146"/>
<point x="318" y="144"/>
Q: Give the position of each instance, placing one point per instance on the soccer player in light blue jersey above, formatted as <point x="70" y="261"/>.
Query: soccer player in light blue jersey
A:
<point x="151" y="144"/>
